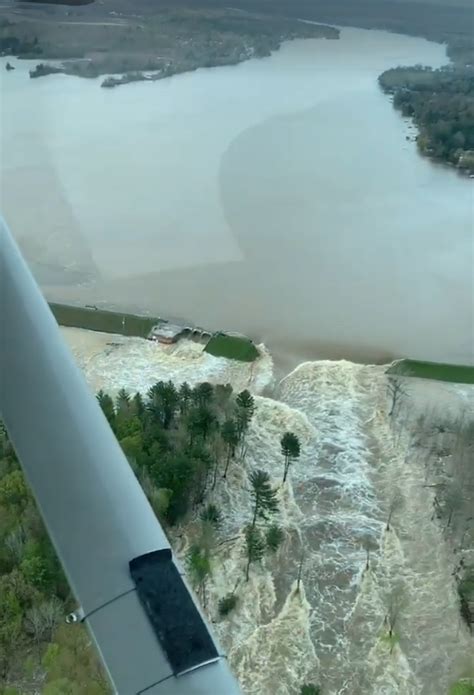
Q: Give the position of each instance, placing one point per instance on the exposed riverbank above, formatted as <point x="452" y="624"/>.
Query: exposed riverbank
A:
<point x="216" y="343"/>
<point x="91" y="318"/>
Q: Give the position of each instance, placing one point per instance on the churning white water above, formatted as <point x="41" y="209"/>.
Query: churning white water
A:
<point x="112" y="362"/>
<point x="357" y="464"/>
<point x="355" y="467"/>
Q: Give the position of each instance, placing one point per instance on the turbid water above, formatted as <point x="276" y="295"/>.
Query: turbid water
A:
<point x="278" y="197"/>
<point x="356" y="461"/>
<point x="354" y="465"/>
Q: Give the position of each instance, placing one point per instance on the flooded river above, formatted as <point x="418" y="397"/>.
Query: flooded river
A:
<point x="279" y="197"/>
<point x="358" y="467"/>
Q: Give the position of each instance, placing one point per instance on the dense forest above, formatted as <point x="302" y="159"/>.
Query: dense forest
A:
<point x="441" y="103"/>
<point x="182" y="444"/>
<point x="37" y="648"/>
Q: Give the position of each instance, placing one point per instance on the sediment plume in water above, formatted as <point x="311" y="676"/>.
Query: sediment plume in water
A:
<point x="382" y="623"/>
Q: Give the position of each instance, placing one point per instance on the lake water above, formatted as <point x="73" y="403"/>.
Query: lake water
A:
<point x="278" y="197"/>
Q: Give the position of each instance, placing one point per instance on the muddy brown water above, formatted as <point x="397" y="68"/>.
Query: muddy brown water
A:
<point x="279" y="197"/>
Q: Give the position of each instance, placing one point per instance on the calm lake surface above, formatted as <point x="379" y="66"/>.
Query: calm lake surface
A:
<point x="279" y="197"/>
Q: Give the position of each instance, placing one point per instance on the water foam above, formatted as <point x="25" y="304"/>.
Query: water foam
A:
<point x="355" y="462"/>
<point x="112" y="362"/>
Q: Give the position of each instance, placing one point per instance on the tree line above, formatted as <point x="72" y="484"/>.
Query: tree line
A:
<point x="36" y="647"/>
<point x="182" y="444"/>
<point x="441" y="103"/>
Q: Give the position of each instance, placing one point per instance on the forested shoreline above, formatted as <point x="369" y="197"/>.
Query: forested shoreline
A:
<point x="181" y="443"/>
<point x="37" y="649"/>
<point x="441" y="104"/>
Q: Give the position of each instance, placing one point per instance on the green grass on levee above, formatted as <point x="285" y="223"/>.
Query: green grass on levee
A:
<point x="455" y="373"/>
<point x="232" y="347"/>
<point x="104" y="321"/>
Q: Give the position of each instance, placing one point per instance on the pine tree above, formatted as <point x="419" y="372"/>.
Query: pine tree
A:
<point x="290" y="448"/>
<point x="163" y="401"/>
<point x="211" y="514"/>
<point x="310" y="689"/>
<point x="245" y="410"/>
<point x="139" y="405"/>
<point x="274" y="538"/>
<point x="107" y="405"/>
<point x="198" y="565"/>
<point x="200" y="421"/>
<point x="264" y="496"/>
<point x="123" y="400"/>
<point x="203" y="394"/>
<point x="185" y="393"/>
<point x="255" y="547"/>
<point x="230" y="436"/>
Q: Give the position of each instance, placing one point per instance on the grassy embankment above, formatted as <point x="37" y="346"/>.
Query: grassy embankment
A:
<point x="232" y="347"/>
<point x="104" y="321"/>
<point x="220" y="345"/>
<point x="455" y="373"/>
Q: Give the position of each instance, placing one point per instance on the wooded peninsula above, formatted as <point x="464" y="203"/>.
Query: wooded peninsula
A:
<point x="441" y="104"/>
<point x="133" y="47"/>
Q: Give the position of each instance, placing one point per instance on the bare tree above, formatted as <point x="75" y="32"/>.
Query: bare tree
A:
<point x="395" y="505"/>
<point x="368" y="544"/>
<point x="41" y="620"/>
<point x="15" y="542"/>
<point x="391" y="619"/>
<point x="454" y="478"/>
<point x="300" y="570"/>
<point x="397" y="391"/>
<point x="469" y="532"/>
<point x="52" y="612"/>
<point x="453" y="505"/>
<point x="447" y="446"/>
<point x="34" y="624"/>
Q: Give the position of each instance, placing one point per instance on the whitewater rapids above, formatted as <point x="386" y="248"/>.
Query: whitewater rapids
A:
<point x="356" y="464"/>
